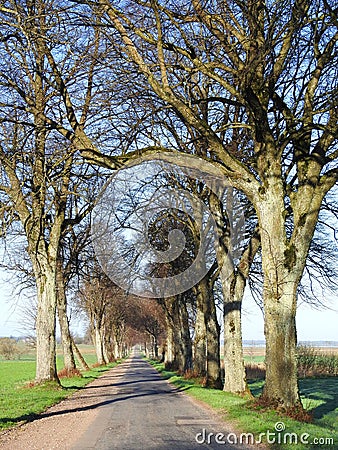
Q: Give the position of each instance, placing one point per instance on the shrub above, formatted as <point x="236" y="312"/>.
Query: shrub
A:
<point x="191" y="374"/>
<point x="312" y="363"/>
<point x="69" y="373"/>
<point x="8" y="348"/>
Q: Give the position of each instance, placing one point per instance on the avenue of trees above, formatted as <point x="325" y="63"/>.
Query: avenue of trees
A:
<point x="245" y="91"/>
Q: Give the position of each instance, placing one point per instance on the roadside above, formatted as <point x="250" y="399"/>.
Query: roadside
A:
<point x="60" y="425"/>
<point x="262" y="424"/>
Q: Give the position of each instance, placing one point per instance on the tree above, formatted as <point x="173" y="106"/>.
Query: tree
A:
<point x="37" y="164"/>
<point x="276" y="61"/>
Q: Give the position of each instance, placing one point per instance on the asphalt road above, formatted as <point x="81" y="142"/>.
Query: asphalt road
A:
<point x="143" y="411"/>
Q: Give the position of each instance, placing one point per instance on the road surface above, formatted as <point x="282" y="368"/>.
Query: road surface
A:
<point x="145" y="412"/>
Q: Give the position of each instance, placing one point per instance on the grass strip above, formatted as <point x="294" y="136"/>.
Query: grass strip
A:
<point x="21" y="401"/>
<point x="260" y="424"/>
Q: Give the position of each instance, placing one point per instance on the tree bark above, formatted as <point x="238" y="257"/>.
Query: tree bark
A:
<point x="169" y="356"/>
<point x="68" y="355"/>
<point x="184" y="343"/>
<point x="200" y="337"/>
<point x="282" y="274"/>
<point x="179" y="347"/>
<point x="98" y="340"/>
<point x="79" y="356"/>
<point x="233" y="284"/>
<point x="234" y="369"/>
<point x="213" y="344"/>
<point x="45" y="326"/>
<point x="207" y="339"/>
<point x="281" y="384"/>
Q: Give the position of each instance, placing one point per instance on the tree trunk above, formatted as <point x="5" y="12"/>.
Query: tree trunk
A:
<point x="45" y="326"/>
<point x="79" y="356"/>
<point x="233" y="290"/>
<point x="118" y="331"/>
<point x="213" y="344"/>
<point x="281" y="277"/>
<point x="207" y="342"/>
<point x="155" y="346"/>
<point x="200" y="338"/>
<point x="234" y="369"/>
<point x="281" y="384"/>
<point x="108" y="347"/>
<point x="68" y="355"/>
<point x="169" y="356"/>
<point x="184" y="344"/>
<point x="98" y="339"/>
<point x="179" y="348"/>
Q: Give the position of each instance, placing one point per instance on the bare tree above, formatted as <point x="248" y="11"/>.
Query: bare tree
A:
<point x="39" y="165"/>
<point x="277" y="61"/>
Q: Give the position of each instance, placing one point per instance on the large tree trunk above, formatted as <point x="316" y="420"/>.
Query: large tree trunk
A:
<point x="207" y="342"/>
<point x="45" y="326"/>
<point x="184" y="343"/>
<point x="234" y="369"/>
<point x="233" y="283"/>
<point x="213" y="343"/>
<point x="282" y="270"/>
<point x="281" y="384"/>
<point x="178" y="354"/>
<point x="68" y="355"/>
<point x="200" y="338"/>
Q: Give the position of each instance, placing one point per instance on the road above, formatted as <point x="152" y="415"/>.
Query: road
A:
<point x="143" y="411"/>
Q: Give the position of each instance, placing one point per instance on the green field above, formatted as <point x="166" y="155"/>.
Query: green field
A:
<point x="319" y="396"/>
<point x="20" y="402"/>
<point x="254" y="359"/>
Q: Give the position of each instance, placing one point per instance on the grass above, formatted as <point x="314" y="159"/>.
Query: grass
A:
<point x="254" y="359"/>
<point x="319" y="395"/>
<point x="20" y="401"/>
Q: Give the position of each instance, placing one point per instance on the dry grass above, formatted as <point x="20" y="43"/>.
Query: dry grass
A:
<point x="69" y="373"/>
<point x="254" y="371"/>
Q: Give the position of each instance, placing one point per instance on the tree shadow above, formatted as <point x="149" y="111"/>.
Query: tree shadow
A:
<point x="322" y="389"/>
<point x="30" y="417"/>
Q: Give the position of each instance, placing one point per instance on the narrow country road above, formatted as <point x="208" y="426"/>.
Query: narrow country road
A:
<point x="130" y="407"/>
<point x="146" y="412"/>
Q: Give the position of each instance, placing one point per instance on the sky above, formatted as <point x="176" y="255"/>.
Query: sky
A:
<point x="312" y="324"/>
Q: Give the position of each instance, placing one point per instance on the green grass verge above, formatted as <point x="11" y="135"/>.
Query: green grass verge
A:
<point x="254" y="359"/>
<point x="319" y="395"/>
<point x="20" y="402"/>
